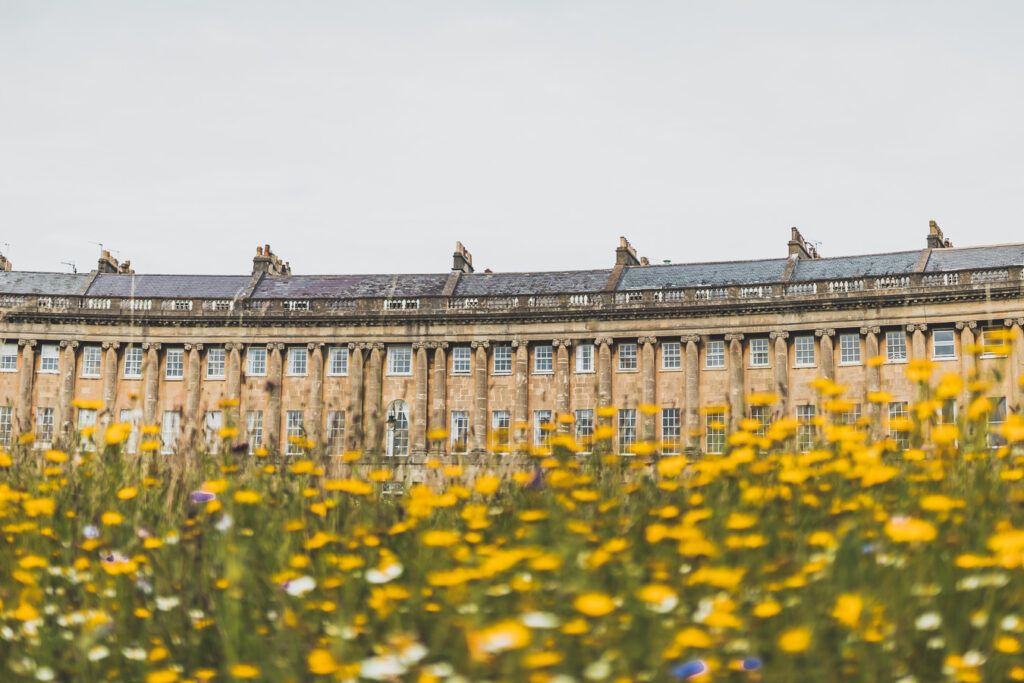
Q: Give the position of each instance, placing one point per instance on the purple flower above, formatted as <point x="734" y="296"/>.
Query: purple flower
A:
<point x="202" y="496"/>
<point x="690" y="670"/>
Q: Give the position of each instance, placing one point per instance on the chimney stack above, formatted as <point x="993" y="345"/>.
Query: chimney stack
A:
<point x="462" y="260"/>
<point x="936" y="240"/>
<point x="800" y="248"/>
<point x="625" y="254"/>
<point x="268" y="262"/>
<point x="109" y="264"/>
<point x="5" y="265"/>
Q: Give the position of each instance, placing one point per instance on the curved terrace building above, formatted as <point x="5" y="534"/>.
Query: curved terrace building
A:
<point x="379" y="361"/>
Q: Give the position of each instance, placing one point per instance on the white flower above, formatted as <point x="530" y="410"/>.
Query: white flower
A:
<point x="540" y="620"/>
<point x="384" y="573"/>
<point x="224" y="523"/>
<point x="97" y="653"/>
<point x="929" y="621"/>
<point x="1010" y="622"/>
<point x="381" y="668"/>
<point x="167" y="604"/>
<point x="44" y="673"/>
<point x="300" y="586"/>
<point x="134" y="653"/>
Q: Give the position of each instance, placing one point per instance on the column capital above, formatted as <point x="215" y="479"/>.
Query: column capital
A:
<point x="1010" y="322"/>
<point x="150" y="346"/>
<point x="734" y="336"/>
<point x="275" y="346"/>
<point x="562" y="343"/>
<point x="517" y="342"/>
<point x="825" y="332"/>
<point x="778" y="334"/>
<point x="68" y="344"/>
<point x="479" y="344"/>
<point x="111" y="345"/>
<point x="311" y="346"/>
<point x="647" y="340"/>
<point x="920" y="327"/>
<point x="970" y="324"/>
<point x="871" y="329"/>
<point x="417" y="345"/>
<point x="234" y="346"/>
<point x="604" y="341"/>
<point x="191" y="346"/>
<point x="27" y="342"/>
<point x="686" y="338"/>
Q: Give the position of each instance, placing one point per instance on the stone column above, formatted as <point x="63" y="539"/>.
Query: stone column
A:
<point x="439" y="404"/>
<point x="918" y="345"/>
<point x="604" y="371"/>
<point x="354" y="420"/>
<point x="110" y="378"/>
<point x="234" y="381"/>
<point x="968" y="360"/>
<point x="275" y="375"/>
<point x="1016" y="359"/>
<point x="874" y="375"/>
<point x="691" y="396"/>
<point x="421" y="375"/>
<point x="68" y="369"/>
<point x="521" y="400"/>
<point x="479" y="440"/>
<point x="151" y="385"/>
<point x="562" y="403"/>
<point x="647" y="386"/>
<point x="374" y="437"/>
<point x="828" y="361"/>
<point x="315" y="425"/>
<point x="781" y="368"/>
<point x="193" y="380"/>
<point x="26" y="377"/>
<point x="735" y="378"/>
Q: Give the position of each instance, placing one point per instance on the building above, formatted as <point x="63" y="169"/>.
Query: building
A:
<point x="380" y="361"/>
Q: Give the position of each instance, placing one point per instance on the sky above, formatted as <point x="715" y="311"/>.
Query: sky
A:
<point x="359" y="137"/>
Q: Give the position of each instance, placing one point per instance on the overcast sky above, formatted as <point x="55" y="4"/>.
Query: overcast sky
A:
<point x="370" y="136"/>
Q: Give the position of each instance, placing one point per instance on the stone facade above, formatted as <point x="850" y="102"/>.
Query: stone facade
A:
<point x="382" y="362"/>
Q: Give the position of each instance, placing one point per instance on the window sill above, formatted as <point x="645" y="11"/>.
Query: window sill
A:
<point x="759" y="367"/>
<point x="9" y="370"/>
<point x="216" y="378"/>
<point x="990" y="355"/>
<point x="297" y="374"/>
<point x="671" y="369"/>
<point x="804" y="367"/>
<point x="717" y="367"/>
<point x="850" y="364"/>
<point x="497" y="374"/>
<point x="544" y="372"/>
<point x="627" y="372"/>
<point x="585" y="372"/>
<point x="337" y="374"/>
<point x="82" y="377"/>
<point x="131" y="376"/>
<point x="462" y="373"/>
<point x="48" y="372"/>
<point x="943" y="358"/>
<point x="255" y="374"/>
<point x="173" y="379"/>
<point x="896" y="361"/>
<point x="395" y="374"/>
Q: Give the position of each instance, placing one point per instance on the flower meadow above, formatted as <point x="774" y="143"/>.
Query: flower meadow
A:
<point x="866" y="557"/>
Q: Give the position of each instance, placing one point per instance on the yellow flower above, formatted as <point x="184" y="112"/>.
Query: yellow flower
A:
<point x="909" y="530"/>
<point x="768" y="608"/>
<point x="594" y="604"/>
<point x="111" y="518"/>
<point x="940" y="503"/>
<point x="486" y="484"/>
<point x="321" y="662"/>
<point x="693" y="637"/>
<point x="28" y="437"/>
<point x="500" y="637"/>
<point x="875" y="361"/>
<point x="847" y="610"/>
<point x="437" y="538"/>
<point x="919" y="370"/>
<point x="1007" y="644"/>
<point x="659" y="597"/>
<point x="127" y="493"/>
<point x="381" y="475"/>
<point x="762" y="399"/>
<point x="538" y="660"/>
<point x="5" y="459"/>
<point x="162" y="676"/>
<point x="607" y="411"/>
<point x="56" y="456"/>
<point x="302" y="467"/>
<point x="117" y="432"/>
<point x="93" y="404"/>
<point x="244" y="671"/>
<point x="795" y="639"/>
<point x="26" y="612"/>
<point x="880" y="397"/>
<point x="247" y="497"/>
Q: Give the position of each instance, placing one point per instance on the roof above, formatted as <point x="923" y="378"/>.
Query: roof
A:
<point x="52" y="284"/>
<point x="509" y="284"/>
<point x="169" y="286"/>
<point x="970" y="258"/>
<point x="726" y="273"/>
<point x="855" y="266"/>
<point x="349" y="286"/>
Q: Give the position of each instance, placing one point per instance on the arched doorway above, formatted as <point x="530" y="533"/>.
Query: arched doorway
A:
<point x="397" y="438"/>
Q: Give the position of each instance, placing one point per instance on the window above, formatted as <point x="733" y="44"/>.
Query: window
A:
<point x="758" y="353"/>
<point x="86" y="419"/>
<point x="584" y="428"/>
<point x="627" y="429"/>
<point x="9" y="358"/>
<point x="541" y="427"/>
<point x="763" y="416"/>
<point x="132" y="363"/>
<point x="671" y="356"/>
<point x="993" y="343"/>
<point x="585" y="358"/>
<point x="211" y="426"/>
<point x="805" y="428"/>
<point x="256" y="361"/>
<point x="5" y="425"/>
<point x="502" y="360"/>
<point x="398" y="429"/>
<point x="254" y="429"/>
<point x="460" y="431"/>
<point x="543" y="357"/>
<point x="898" y="412"/>
<point x="132" y="417"/>
<point x="91" y="361"/>
<point x="294" y="432"/>
<point x="44" y="425"/>
<point x="849" y="349"/>
<point x="462" y="360"/>
<point x="996" y="418"/>
<point x="169" y="427"/>
<point x="336" y="431"/>
<point x="670" y="430"/>
<point x="895" y="347"/>
<point x="714" y="431"/>
<point x="943" y="344"/>
<point x="215" y="364"/>
<point x="175" y="368"/>
<point x="627" y="357"/>
<point x="399" y="360"/>
<point x="298" y="359"/>
<point x="49" y="358"/>
<point x="714" y="355"/>
<point x="337" y="361"/>
<point x="946" y="415"/>
<point x="851" y="417"/>
<point x="804" y="351"/>
<point x="501" y="420"/>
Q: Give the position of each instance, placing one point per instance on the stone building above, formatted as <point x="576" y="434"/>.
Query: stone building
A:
<point x="380" y="361"/>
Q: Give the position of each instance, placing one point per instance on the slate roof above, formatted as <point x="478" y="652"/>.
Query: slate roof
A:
<point x="677" y="275"/>
<point x="966" y="258"/>
<point x="855" y="266"/>
<point x="52" y="284"/>
<point x="349" y="286"/>
<point x="169" y="286"/>
<point x="509" y="284"/>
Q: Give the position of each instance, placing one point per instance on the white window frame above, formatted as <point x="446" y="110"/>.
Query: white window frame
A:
<point x="849" y="349"/>
<point x="460" y="431"/>
<point x="501" y="420"/>
<point x="896" y="340"/>
<point x="714" y="355"/>
<point x="213" y="420"/>
<point x="504" y="353"/>
<point x="462" y="360"/>
<point x="133" y="359"/>
<point x="584" y="359"/>
<point x="256" y="361"/>
<point x="540" y="418"/>
<point x="626" y="433"/>
<point x="760" y="357"/>
<point x="335" y="433"/>
<point x="92" y="362"/>
<point x="628" y="361"/>
<point x="671" y="430"/>
<point x="398" y="357"/>
<point x="132" y="416"/>
<point x="900" y="436"/>
<point x="544" y="360"/>
<point x="298" y="361"/>
<point x="337" y="361"/>
<point x="671" y="356"/>
<point x="44" y="420"/>
<point x="9" y="358"/>
<point x="983" y="343"/>
<point x="951" y="343"/>
<point x="216" y="358"/>
<point x="170" y="425"/>
<point x="179" y="364"/>
<point x="584" y="427"/>
<point x="293" y="427"/>
<point x="254" y="429"/>
<point x="6" y="424"/>
<point x="714" y="438"/>
<point x="803" y="348"/>
<point x="806" y="431"/>
<point x="763" y="415"/>
<point x="996" y="418"/>
<point x="49" y="354"/>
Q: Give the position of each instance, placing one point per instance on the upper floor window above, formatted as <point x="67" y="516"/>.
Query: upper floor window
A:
<point x="944" y="344"/>
<point x="804" y="347"/>
<point x="671" y="356"/>
<point x="91" y="361"/>
<point x="502" y="360"/>
<point x="993" y="343"/>
<point x="714" y="356"/>
<point x="627" y="357"/>
<point x="462" y="360"/>
<point x="215" y="364"/>
<point x="256" y="361"/>
<point x="399" y="360"/>
<point x="895" y="347"/>
<point x="337" y="361"/>
<point x="175" y="367"/>
<point x="585" y="358"/>
<point x="132" y="362"/>
<point x="298" y="359"/>
<point x="759" y="353"/>
<point x="9" y="358"/>
<point x="543" y="359"/>
<point x="849" y="349"/>
<point x="49" y="358"/>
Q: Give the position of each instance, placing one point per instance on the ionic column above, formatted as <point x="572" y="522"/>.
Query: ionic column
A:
<point x="781" y="368"/>
<point x="152" y="383"/>
<point x="918" y="346"/>
<point x="316" y="392"/>
<point x="374" y="437"/>
<point x="26" y="377"/>
<point x="275" y="375"/>
<point x="421" y="374"/>
<point x="562" y="379"/>
<point x="234" y="353"/>
<point x="192" y="388"/>
<point x="480" y="396"/>
<point x="828" y="361"/>
<point x="968" y="358"/>
<point x="735" y="378"/>
<point x="692" y="380"/>
<point x="604" y="371"/>
<point x="354" y="422"/>
<point x="1016" y="357"/>
<point x="647" y="383"/>
<point x="521" y="399"/>
<point x="874" y="374"/>
<point x="110" y="377"/>
<point x="439" y="404"/>
<point x="67" y="388"/>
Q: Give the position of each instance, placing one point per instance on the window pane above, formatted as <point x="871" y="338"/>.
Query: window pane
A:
<point x="585" y="358"/>
<point x="257" y="361"/>
<point x="460" y="431"/>
<point x="254" y="429"/>
<point x="9" y="358"/>
<point x="715" y="354"/>
<point x="543" y="359"/>
<point x="462" y="360"/>
<point x="584" y="428"/>
<point x="336" y="431"/>
<point x="175" y="368"/>
<point x="49" y="358"/>
<point x="670" y="356"/>
<point x="500" y="424"/>
<point x="337" y="361"/>
<point x="804" y="350"/>
<point x="627" y="356"/>
<point x="215" y="363"/>
<point x="895" y="346"/>
<point x="541" y="427"/>
<point x="805" y="427"/>
<point x="944" y="344"/>
<point x="294" y="431"/>
<point x="849" y="348"/>
<point x="399" y="360"/>
<point x="670" y="430"/>
<point x="502" y="360"/>
<point x="133" y="362"/>
<point x="297" y="360"/>
<point x="91" y="361"/>
<point x="714" y="431"/>
<point x="758" y="353"/>
<point x="627" y="429"/>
